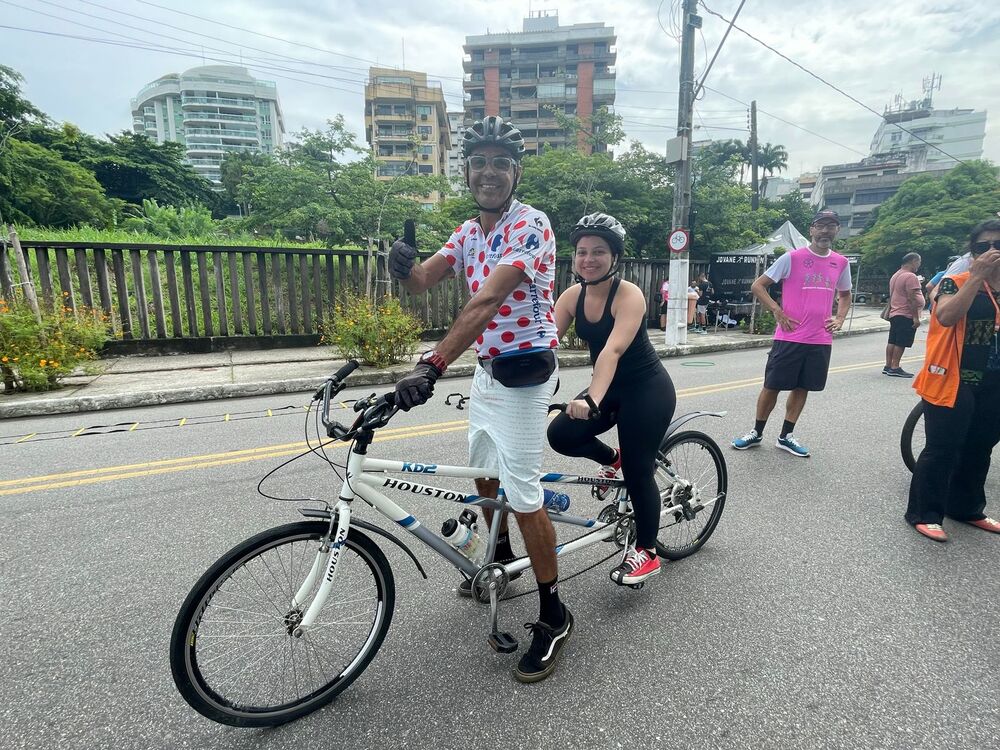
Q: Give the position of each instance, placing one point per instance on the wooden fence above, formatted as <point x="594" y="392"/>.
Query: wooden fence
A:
<point x="152" y="292"/>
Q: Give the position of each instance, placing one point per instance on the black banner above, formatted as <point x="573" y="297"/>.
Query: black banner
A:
<point x="732" y="275"/>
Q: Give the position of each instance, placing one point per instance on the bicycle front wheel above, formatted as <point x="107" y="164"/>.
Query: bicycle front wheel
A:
<point x="233" y="654"/>
<point x="912" y="439"/>
<point x="690" y="474"/>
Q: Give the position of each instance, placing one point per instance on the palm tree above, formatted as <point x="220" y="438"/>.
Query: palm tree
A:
<point x="771" y="159"/>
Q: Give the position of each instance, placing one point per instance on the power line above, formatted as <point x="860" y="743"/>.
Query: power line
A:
<point x="822" y="80"/>
<point x="294" y="43"/>
<point x="158" y="48"/>
<point x="787" y="122"/>
<point x="237" y="44"/>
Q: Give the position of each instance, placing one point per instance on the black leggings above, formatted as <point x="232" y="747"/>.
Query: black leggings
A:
<point x="950" y="475"/>
<point x="642" y="412"/>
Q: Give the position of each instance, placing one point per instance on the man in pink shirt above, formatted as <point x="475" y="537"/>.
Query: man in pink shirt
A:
<point x="800" y="355"/>
<point x="905" y="303"/>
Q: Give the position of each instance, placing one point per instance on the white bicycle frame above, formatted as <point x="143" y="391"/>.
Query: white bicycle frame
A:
<point x="366" y="477"/>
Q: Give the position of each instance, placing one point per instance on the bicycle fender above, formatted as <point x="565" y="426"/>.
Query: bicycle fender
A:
<point x="685" y="418"/>
<point x="325" y="514"/>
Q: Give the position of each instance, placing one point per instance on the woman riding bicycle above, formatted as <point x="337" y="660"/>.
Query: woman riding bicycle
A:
<point x="960" y="387"/>
<point x="629" y="386"/>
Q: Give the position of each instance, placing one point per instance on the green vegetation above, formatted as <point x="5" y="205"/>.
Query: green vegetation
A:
<point x="931" y="215"/>
<point x="35" y="355"/>
<point x="378" y="334"/>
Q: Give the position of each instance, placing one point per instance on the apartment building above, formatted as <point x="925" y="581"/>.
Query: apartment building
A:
<point x="457" y="127"/>
<point x="213" y="110"/>
<point x="406" y="124"/>
<point x="524" y="76"/>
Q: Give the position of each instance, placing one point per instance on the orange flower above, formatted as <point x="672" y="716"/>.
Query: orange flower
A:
<point x="41" y="362"/>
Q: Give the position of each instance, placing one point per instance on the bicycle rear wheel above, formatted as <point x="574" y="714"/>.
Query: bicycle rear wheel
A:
<point x="690" y="472"/>
<point x="232" y="653"/>
<point x="912" y="439"/>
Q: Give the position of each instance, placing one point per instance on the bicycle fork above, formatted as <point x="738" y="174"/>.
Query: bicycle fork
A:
<point x="324" y="565"/>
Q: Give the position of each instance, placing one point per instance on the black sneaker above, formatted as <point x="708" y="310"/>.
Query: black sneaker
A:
<point x="899" y="372"/>
<point x="546" y="643"/>
<point x="465" y="587"/>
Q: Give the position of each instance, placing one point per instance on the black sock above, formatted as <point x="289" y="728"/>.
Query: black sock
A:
<point x="759" y="426"/>
<point x="550" y="609"/>
<point x="787" y="427"/>
<point x="504" y="551"/>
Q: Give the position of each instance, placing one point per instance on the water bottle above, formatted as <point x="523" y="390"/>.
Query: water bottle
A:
<point x="463" y="535"/>
<point x="557" y="501"/>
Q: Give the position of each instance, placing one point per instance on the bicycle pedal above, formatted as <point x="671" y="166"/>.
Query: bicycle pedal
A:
<point x="503" y="643"/>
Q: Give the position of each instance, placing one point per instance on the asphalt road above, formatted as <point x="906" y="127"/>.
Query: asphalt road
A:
<point x="813" y="618"/>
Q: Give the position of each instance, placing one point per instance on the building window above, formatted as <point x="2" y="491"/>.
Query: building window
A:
<point x="571" y="90"/>
<point x="400" y="109"/>
<point x="896" y="137"/>
<point x="426" y="169"/>
<point x="424" y="109"/>
<point x="383" y="109"/>
<point x="423" y="130"/>
<point x="552" y="90"/>
<point x="394" y="79"/>
<point x="427" y="149"/>
<point x="570" y="109"/>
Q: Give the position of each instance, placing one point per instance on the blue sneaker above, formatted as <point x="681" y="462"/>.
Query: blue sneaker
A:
<point x="750" y="440"/>
<point x="793" y="446"/>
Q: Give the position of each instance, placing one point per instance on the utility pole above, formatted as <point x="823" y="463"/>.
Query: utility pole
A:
<point x="680" y="150"/>
<point x="754" y="182"/>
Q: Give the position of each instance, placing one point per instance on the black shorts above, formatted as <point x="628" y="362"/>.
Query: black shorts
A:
<point x="901" y="331"/>
<point x="663" y="308"/>
<point x="792" y="365"/>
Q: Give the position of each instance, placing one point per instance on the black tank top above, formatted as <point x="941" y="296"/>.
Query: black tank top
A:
<point x="638" y="362"/>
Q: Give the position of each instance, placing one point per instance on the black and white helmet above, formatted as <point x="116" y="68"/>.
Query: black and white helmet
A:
<point x="493" y="131"/>
<point x="600" y="225"/>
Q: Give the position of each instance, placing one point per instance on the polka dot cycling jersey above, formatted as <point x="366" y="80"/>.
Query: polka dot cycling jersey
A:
<point x="522" y="238"/>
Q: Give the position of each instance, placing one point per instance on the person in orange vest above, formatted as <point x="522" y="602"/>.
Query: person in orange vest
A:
<point x="960" y="387"/>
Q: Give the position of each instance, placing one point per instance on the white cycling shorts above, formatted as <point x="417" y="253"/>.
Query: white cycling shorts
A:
<point x="507" y="435"/>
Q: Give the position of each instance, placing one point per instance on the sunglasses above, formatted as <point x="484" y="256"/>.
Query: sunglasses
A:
<point x="982" y="247"/>
<point x="500" y="163"/>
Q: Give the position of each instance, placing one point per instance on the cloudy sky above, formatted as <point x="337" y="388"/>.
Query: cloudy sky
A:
<point x="871" y="51"/>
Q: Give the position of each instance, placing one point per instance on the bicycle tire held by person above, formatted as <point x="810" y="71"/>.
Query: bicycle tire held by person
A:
<point x="507" y="256"/>
<point x="799" y="359"/>
<point x="960" y="387"/>
<point x="630" y="387"/>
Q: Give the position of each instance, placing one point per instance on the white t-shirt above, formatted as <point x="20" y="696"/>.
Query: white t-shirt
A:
<point x="959" y="265"/>
<point x="522" y="238"/>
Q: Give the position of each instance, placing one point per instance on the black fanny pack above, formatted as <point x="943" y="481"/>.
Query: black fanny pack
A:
<point x="521" y="369"/>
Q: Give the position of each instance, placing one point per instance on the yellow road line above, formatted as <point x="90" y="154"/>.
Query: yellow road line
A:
<point x="82" y="429"/>
<point x="26" y="437"/>
<point x="251" y="452"/>
<point x="209" y="464"/>
<point x="132" y="428"/>
<point x="183" y="420"/>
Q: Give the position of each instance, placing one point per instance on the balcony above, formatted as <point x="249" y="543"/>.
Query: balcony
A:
<point x="218" y="101"/>
<point x="243" y="135"/>
<point x="196" y="116"/>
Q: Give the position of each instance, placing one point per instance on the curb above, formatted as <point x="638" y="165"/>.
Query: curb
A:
<point x="570" y="358"/>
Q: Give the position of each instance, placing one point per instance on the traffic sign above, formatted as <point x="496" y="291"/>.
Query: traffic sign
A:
<point x="678" y="240"/>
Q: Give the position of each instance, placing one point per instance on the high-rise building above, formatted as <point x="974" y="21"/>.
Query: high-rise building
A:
<point x="406" y="123"/>
<point x="213" y="110"/>
<point x="455" y="174"/>
<point x="931" y="139"/>
<point x="523" y="76"/>
<point x="913" y="137"/>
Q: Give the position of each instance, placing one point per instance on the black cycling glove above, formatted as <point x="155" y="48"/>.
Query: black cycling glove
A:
<point x="417" y="387"/>
<point x="401" y="257"/>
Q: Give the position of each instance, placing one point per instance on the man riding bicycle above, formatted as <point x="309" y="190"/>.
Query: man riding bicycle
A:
<point x="507" y="256"/>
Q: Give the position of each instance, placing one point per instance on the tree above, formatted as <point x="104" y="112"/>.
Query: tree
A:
<point x="567" y="184"/>
<point x="601" y="129"/>
<point x="312" y="190"/>
<point x="39" y="187"/>
<point x="771" y="159"/>
<point x="931" y="215"/>
<point x="135" y="168"/>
